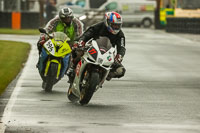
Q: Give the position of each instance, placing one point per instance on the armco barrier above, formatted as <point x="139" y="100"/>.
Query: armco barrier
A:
<point x="5" y="20"/>
<point x="183" y="25"/>
<point x="23" y="20"/>
<point x="30" y="20"/>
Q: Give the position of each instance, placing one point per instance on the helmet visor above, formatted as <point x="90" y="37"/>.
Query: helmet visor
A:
<point x="115" y="26"/>
<point x="67" y="19"/>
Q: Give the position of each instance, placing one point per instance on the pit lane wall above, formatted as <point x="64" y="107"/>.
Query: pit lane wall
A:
<point x="184" y="21"/>
<point x="19" y="20"/>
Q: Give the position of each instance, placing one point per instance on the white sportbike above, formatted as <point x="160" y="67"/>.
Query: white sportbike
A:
<point x="92" y="70"/>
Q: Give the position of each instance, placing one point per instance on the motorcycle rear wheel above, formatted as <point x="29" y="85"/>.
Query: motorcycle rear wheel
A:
<point x="51" y="77"/>
<point x="87" y="93"/>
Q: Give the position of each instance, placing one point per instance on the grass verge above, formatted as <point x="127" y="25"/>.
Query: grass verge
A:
<point x="12" y="57"/>
<point x="21" y="31"/>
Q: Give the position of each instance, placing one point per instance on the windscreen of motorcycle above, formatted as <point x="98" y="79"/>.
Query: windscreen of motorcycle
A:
<point x="60" y="36"/>
<point x="104" y="44"/>
<point x="58" y="46"/>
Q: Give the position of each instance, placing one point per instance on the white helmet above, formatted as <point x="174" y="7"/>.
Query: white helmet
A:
<point x="66" y="15"/>
<point x="113" y="22"/>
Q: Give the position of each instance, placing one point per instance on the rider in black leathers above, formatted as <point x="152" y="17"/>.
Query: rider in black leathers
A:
<point x="110" y="28"/>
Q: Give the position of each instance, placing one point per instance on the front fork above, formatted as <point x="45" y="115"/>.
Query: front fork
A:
<point x="103" y="79"/>
<point x="103" y="73"/>
<point x="48" y="66"/>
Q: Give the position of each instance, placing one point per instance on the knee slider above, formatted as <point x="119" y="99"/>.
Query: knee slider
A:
<point x="120" y="72"/>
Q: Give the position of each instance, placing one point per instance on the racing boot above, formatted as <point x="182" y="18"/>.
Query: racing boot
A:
<point x="71" y="74"/>
<point x="110" y="76"/>
<point x="116" y="73"/>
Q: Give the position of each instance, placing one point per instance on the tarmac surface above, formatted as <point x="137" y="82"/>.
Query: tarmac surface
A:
<point x="160" y="92"/>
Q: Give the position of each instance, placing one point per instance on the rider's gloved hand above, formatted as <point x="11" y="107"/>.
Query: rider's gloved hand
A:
<point x="80" y="44"/>
<point x="75" y="46"/>
<point x="118" y="58"/>
<point x="43" y="39"/>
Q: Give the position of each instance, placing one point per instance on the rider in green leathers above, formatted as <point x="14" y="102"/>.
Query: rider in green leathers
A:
<point x="63" y="22"/>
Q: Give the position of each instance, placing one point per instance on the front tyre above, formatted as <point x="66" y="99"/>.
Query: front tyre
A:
<point x="51" y="77"/>
<point x="87" y="92"/>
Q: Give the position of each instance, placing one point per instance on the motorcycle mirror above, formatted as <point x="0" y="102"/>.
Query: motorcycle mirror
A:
<point x="42" y="30"/>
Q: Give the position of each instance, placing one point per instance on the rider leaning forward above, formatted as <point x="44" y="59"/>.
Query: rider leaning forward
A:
<point x="64" y="22"/>
<point x="111" y="28"/>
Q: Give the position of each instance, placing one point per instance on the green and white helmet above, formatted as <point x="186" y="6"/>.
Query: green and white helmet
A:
<point x="66" y="15"/>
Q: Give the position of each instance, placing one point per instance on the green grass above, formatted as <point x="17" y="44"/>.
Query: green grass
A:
<point x="12" y="57"/>
<point x="21" y="31"/>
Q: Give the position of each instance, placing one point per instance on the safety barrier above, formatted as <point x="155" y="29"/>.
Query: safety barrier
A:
<point x="5" y="20"/>
<point x="19" y="20"/>
<point x="183" y="25"/>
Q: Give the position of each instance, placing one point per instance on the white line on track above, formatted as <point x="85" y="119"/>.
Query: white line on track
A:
<point x="7" y="111"/>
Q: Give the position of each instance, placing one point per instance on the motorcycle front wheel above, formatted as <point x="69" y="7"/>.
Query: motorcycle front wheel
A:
<point x="51" y="77"/>
<point x="88" y="91"/>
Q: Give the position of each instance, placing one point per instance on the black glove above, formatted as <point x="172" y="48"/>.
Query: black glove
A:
<point x="118" y="58"/>
<point x="79" y="44"/>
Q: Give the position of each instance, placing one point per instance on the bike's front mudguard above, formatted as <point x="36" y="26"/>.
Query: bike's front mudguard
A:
<point x="44" y="63"/>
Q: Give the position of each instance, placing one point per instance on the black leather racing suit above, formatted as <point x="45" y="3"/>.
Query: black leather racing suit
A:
<point x="100" y="30"/>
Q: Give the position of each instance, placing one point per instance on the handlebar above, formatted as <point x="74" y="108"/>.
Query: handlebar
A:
<point x="42" y="30"/>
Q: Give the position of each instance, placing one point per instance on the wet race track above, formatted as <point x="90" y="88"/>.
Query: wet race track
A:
<point x="160" y="92"/>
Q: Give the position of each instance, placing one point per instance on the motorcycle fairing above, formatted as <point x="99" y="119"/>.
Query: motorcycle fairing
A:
<point x="99" y="59"/>
<point x="79" y="70"/>
<point x="103" y="60"/>
<point x="57" y="48"/>
<point x="92" y="51"/>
